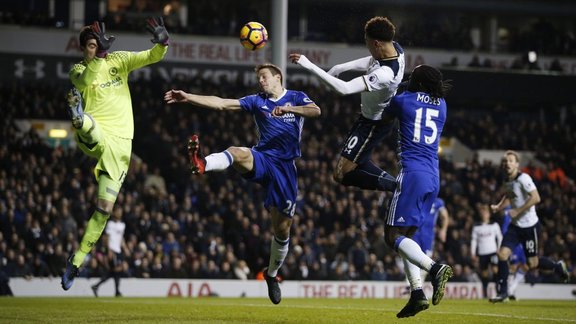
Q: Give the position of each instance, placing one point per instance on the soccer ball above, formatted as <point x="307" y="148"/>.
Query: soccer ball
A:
<point x="253" y="36"/>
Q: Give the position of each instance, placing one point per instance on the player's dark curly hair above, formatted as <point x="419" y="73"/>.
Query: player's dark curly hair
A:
<point x="380" y="28"/>
<point x="86" y="34"/>
<point x="425" y="78"/>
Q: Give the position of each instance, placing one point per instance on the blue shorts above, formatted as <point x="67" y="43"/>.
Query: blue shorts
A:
<point x="280" y="180"/>
<point x="425" y="240"/>
<point x="362" y="138"/>
<point x="413" y="198"/>
<point x="527" y="237"/>
<point x="518" y="256"/>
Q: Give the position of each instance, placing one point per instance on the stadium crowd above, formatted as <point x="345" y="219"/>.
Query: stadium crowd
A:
<point x="215" y="226"/>
<point x="433" y="27"/>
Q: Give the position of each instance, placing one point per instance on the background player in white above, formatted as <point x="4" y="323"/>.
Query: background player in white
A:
<point x="384" y="70"/>
<point x="486" y="239"/>
<point x="521" y="193"/>
<point x="115" y="233"/>
<point x="518" y="264"/>
<point x="279" y="115"/>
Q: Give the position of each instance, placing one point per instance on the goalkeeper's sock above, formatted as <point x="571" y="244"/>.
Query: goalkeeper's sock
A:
<point x="278" y="252"/>
<point x="218" y="161"/>
<point x="96" y="225"/>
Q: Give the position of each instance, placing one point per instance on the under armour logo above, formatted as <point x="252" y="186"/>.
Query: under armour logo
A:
<point x="37" y="69"/>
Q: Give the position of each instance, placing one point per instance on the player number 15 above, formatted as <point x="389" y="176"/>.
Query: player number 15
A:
<point x="430" y="113"/>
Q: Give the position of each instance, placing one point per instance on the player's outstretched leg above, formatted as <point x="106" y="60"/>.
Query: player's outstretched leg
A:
<point x="95" y="290"/>
<point x="75" y="110"/>
<point x="274" y="292"/>
<point x="69" y="275"/>
<point x="500" y="298"/>
<point x="197" y="161"/>
<point x="439" y="274"/>
<point x="563" y="271"/>
<point x="417" y="303"/>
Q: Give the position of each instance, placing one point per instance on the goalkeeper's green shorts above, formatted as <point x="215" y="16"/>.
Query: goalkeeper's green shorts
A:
<point x="113" y="154"/>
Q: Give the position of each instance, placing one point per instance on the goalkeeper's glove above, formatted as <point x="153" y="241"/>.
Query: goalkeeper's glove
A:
<point x="156" y="27"/>
<point x="103" y="41"/>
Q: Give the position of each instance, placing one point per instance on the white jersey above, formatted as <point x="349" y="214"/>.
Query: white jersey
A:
<point x="486" y="239"/>
<point x="115" y="231"/>
<point x="382" y="79"/>
<point x="518" y="192"/>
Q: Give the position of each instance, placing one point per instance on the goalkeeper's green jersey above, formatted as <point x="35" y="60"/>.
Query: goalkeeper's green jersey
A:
<point x="103" y="83"/>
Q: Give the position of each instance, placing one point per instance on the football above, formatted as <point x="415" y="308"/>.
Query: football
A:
<point x="253" y="36"/>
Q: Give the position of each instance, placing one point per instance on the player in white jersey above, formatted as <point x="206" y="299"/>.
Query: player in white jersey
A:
<point x="486" y="239"/>
<point x="384" y="70"/>
<point x="115" y="234"/>
<point x="522" y="194"/>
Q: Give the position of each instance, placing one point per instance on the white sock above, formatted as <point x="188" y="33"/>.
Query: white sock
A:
<point x="218" y="161"/>
<point x="518" y="278"/>
<point x="413" y="275"/>
<point x="410" y="250"/>
<point x="278" y="252"/>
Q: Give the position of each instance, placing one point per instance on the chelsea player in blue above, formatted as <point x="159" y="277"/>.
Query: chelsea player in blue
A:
<point x="425" y="234"/>
<point x="421" y="113"/>
<point x="279" y="115"/>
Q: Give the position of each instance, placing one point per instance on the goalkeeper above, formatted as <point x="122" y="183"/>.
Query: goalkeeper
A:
<point x="100" y="108"/>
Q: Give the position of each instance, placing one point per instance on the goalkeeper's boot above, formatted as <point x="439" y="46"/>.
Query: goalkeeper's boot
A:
<point x="563" y="271"/>
<point x="75" y="110"/>
<point x="439" y="274"/>
<point x="197" y="161"/>
<point x="500" y="298"/>
<point x="417" y="303"/>
<point x="69" y="275"/>
<point x="274" y="292"/>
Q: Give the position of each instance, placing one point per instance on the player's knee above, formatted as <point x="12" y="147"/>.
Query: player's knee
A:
<point x="532" y="263"/>
<point x="240" y="154"/>
<point x="337" y="176"/>
<point x="105" y="206"/>
<point x="503" y="254"/>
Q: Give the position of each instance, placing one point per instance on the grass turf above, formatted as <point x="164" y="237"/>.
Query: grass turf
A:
<point x="291" y="310"/>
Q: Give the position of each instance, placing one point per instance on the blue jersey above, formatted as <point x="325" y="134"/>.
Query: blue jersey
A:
<point x="277" y="136"/>
<point x="422" y="119"/>
<point x="518" y="255"/>
<point x="424" y="236"/>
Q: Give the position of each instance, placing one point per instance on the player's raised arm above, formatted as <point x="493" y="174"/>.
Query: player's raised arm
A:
<point x="361" y="64"/>
<point x="212" y="102"/>
<point x="355" y="85"/>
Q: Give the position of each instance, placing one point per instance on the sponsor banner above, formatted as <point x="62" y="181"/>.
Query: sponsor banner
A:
<point x="131" y="287"/>
<point x="228" y="51"/>
<point x="56" y="68"/>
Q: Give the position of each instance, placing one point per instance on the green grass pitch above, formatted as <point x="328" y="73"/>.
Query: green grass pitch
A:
<point x="291" y="310"/>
